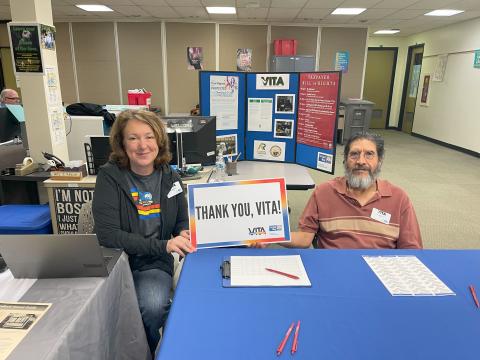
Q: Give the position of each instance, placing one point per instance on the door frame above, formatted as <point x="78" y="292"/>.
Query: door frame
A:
<point x="405" y="83"/>
<point x="392" y="78"/>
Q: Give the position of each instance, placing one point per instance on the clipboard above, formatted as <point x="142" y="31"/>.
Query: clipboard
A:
<point x="260" y="273"/>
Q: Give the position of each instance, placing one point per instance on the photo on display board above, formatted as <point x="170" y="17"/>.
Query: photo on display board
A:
<point x="47" y="37"/>
<point x="285" y="103"/>
<point x="425" y="90"/>
<point x="194" y="58"/>
<point x="230" y="141"/>
<point x="283" y="129"/>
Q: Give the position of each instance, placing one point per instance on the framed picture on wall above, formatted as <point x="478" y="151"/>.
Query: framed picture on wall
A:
<point x="427" y="79"/>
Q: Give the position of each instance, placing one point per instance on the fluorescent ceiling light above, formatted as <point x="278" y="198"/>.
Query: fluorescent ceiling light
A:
<point x="444" y="12"/>
<point x="348" y="11"/>
<point x="386" y="32"/>
<point x="94" y="7"/>
<point x="221" y="10"/>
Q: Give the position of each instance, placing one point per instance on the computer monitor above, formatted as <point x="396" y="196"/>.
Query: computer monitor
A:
<point x="198" y="138"/>
<point x="97" y="152"/>
<point x="9" y="125"/>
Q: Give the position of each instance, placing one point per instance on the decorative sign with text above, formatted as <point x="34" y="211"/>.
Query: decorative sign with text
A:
<point x="317" y="109"/>
<point x="238" y="213"/>
<point x="25" y="45"/>
<point x="68" y="202"/>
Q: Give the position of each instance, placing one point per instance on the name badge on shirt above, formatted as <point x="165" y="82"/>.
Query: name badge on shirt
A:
<point x="176" y="189"/>
<point x="381" y="216"/>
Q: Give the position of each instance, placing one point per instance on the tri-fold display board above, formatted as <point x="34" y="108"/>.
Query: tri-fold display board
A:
<point x="283" y="117"/>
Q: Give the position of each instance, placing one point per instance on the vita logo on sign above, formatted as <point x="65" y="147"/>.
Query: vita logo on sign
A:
<point x="273" y="81"/>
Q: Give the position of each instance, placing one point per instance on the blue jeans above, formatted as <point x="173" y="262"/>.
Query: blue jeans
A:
<point x="153" y="293"/>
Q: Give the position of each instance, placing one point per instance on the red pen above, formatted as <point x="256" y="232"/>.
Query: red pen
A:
<point x="284" y="341"/>
<point x="472" y="290"/>
<point x="283" y="273"/>
<point x="295" y="338"/>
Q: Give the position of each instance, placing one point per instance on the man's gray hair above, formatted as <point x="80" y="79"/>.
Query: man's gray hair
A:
<point x="375" y="138"/>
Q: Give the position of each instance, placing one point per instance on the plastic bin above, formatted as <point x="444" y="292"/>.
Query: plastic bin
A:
<point x="140" y="98"/>
<point x="285" y="47"/>
<point x="25" y="219"/>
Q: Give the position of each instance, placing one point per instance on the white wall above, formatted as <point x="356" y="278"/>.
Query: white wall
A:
<point x="452" y="115"/>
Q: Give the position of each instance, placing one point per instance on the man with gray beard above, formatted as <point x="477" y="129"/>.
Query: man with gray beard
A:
<point x="359" y="210"/>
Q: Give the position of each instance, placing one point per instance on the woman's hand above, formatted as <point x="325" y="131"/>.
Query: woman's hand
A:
<point x="180" y="244"/>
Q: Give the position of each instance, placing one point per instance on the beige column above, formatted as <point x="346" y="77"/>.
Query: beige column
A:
<point x="41" y="95"/>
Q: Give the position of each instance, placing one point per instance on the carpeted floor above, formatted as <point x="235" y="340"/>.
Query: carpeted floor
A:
<point x="444" y="186"/>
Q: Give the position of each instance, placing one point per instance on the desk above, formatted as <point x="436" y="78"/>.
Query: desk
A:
<point x="90" y="318"/>
<point x="24" y="189"/>
<point x="296" y="176"/>
<point x="346" y="314"/>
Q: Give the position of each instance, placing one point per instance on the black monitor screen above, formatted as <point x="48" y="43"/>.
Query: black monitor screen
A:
<point x="9" y="125"/>
<point x="198" y="138"/>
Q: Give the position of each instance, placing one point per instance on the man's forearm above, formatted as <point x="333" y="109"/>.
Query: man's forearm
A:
<point x="299" y="239"/>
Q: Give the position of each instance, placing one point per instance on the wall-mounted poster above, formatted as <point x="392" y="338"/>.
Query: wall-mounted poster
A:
<point x="342" y="60"/>
<point x="47" y="37"/>
<point x="224" y="101"/>
<point x="425" y="90"/>
<point x="283" y="129"/>
<point x="476" y="59"/>
<point x="25" y="45"/>
<point x="285" y="103"/>
<point x="317" y="109"/>
<point x="244" y="59"/>
<point x="440" y="67"/>
<point x="194" y="58"/>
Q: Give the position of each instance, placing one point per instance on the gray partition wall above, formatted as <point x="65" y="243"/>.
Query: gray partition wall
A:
<point x="342" y="39"/>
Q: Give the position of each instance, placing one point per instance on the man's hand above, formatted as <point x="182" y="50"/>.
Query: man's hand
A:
<point x="180" y="244"/>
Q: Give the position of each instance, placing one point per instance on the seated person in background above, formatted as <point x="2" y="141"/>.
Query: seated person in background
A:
<point x="9" y="96"/>
<point x="359" y="211"/>
<point x="139" y="205"/>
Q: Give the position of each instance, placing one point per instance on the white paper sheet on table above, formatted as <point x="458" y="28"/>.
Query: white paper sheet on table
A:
<point x="251" y="271"/>
<point x="407" y="276"/>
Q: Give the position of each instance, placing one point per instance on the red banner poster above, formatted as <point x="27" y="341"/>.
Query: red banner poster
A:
<point x="317" y="109"/>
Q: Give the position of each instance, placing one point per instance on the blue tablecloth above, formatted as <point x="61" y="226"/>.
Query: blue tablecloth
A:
<point x="346" y="314"/>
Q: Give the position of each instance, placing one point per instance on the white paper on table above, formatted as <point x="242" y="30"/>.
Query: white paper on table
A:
<point x="251" y="271"/>
<point x="407" y="276"/>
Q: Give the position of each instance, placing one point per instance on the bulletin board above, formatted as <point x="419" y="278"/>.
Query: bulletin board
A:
<point x="282" y="117"/>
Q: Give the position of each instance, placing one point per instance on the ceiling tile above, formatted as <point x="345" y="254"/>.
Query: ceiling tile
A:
<point x="466" y="5"/>
<point x="358" y="3"/>
<point x="252" y="3"/>
<point x="251" y="13"/>
<point x="296" y="4"/>
<point x="184" y="2"/>
<point x="68" y="10"/>
<point x="406" y="14"/>
<point x="394" y="4"/>
<point x="110" y="2"/>
<point x="217" y="3"/>
<point x="150" y="2"/>
<point x="323" y="4"/>
<point x="162" y="12"/>
<point x="431" y="4"/>
<point x="191" y="11"/>
<point x="282" y="13"/>
<point x="130" y="10"/>
<point x="337" y="19"/>
<point x="314" y="13"/>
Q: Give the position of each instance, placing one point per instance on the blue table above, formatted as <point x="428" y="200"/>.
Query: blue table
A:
<point x="346" y="314"/>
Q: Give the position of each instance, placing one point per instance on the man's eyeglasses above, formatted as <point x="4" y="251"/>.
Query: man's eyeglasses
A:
<point x="12" y="98"/>
<point x="355" y="155"/>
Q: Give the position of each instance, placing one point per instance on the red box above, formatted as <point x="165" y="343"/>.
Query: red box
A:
<point x="285" y="47"/>
<point x="140" y="98"/>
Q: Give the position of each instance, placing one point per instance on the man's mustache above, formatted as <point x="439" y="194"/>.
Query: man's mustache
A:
<point x="361" y="168"/>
